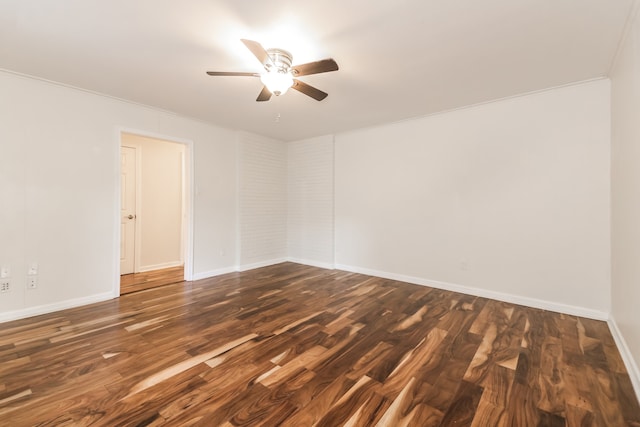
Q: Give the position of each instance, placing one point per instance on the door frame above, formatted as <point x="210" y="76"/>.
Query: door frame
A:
<point x="187" y="202"/>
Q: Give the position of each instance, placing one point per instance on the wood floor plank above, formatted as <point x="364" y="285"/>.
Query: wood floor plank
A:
<point x="295" y="345"/>
<point x="151" y="279"/>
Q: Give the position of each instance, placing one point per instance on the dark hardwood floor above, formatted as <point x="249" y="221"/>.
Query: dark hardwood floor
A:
<point x="294" y="345"/>
<point x="150" y="279"/>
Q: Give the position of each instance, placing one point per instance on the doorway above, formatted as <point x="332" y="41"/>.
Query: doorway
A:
<point x="155" y="211"/>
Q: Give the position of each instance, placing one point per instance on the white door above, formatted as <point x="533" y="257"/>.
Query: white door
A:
<point x="128" y="209"/>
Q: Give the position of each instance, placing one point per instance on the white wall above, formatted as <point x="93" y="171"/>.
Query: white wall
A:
<point x="625" y="200"/>
<point x="262" y="192"/>
<point x="59" y="189"/>
<point x="508" y="199"/>
<point x="160" y="201"/>
<point x="310" y="201"/>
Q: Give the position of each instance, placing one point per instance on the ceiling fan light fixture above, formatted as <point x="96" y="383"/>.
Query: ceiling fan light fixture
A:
<point x="277" y="82"/>
<point x="279" y="74"/>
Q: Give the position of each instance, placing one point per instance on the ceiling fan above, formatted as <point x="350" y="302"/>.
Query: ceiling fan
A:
<point x="279" y="74"/>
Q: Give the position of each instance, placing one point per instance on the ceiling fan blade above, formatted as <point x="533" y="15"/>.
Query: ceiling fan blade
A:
<point x="258" y="51"/>
<point x="317" y="67"/>
<point x="308" y="90"/>
<point x="265" y="95"/>
<point x="232" y="73"/>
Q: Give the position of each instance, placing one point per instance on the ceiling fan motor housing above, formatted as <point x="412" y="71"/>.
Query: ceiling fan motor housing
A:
<point x="281" y="59"/>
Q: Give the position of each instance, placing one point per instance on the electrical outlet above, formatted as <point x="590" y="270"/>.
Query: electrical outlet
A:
<point x="5" y="271"/>
<point x="5" y="286"/>
<point x="32" y="282"/>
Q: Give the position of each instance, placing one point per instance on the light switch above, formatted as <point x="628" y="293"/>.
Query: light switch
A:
<point x="33" y="269"/>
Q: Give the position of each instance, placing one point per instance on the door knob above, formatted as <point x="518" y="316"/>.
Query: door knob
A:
<point x="131" y="216"/>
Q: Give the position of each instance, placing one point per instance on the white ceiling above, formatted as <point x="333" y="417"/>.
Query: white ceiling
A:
<point x="398" y="59"/>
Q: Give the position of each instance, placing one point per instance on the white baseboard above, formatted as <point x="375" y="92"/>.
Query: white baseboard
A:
<point x="213" y="273"/>
<point x="57" y="306"/>
<point x="319" y="264"/>
<point x="627" y="357"/>
<point x="500" y="296"/>
<point x="160" y="266"/>
<point x="246" y="267"/>
<point x="260" y="264"/>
